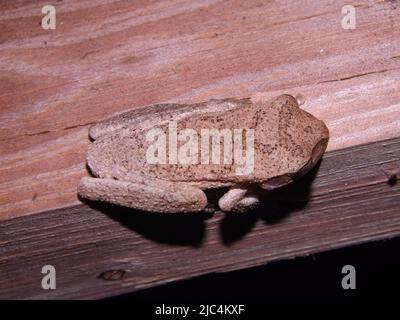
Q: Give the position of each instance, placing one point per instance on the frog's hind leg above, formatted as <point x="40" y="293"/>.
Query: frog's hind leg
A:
<point x="139" y="117"/>
<point x="147" y="194"/>
<point x="157" y="114"/>
<point x="239" y="199"/>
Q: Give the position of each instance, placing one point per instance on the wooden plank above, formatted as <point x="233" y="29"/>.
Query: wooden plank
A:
<point x="109" y="56"/>
<point x="353" y="197"/>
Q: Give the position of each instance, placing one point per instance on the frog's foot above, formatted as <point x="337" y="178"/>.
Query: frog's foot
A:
<point x="150" y="194"/>
<point x="239" y="199"/>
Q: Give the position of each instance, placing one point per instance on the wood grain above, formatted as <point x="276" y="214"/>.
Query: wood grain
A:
<point x="353" y="197"/>
<point x="109" y="56"/>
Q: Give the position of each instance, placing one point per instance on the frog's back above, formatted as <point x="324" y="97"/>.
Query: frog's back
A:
<point x="285" y="138"/>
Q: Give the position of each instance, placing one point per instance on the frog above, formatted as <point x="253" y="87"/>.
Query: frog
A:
<point x="285" y="142"/>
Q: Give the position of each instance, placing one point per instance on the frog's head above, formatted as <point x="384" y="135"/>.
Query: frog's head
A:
<point x="302" y="141"/>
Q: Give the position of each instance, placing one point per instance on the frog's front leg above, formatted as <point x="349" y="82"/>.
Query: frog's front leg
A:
<point x="239" y="199"/>
<point x="146" y="194"/>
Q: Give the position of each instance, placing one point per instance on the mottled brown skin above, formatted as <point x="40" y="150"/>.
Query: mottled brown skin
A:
<point x="288" y="142"/>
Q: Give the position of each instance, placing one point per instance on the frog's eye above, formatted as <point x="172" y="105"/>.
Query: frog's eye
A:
<point x="300" y="99"/>
<point x="277" y="182"/>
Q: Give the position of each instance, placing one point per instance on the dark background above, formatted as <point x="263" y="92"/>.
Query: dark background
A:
<point x="316" y="277"/>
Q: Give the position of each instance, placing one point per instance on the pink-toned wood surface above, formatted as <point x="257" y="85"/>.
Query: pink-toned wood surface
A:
<point x="109" y="56"/>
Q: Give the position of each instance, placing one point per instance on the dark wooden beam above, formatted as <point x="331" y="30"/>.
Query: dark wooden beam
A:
<point x="100" y="250"/>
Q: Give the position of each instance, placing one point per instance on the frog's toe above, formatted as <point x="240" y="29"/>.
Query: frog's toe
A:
<point x="238" y="199"/>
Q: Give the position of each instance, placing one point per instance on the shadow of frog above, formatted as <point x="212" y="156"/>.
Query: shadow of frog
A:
<point x="276" y="205"/>
<point x="189" y="229"/>
<point x="174" y="229"/>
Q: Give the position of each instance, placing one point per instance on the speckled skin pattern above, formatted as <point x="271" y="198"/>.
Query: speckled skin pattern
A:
<point x="288" y="141"/>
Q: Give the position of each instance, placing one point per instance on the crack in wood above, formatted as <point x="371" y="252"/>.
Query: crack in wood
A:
<point x="357" y="75"/>
<point x="49" y="131"/>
